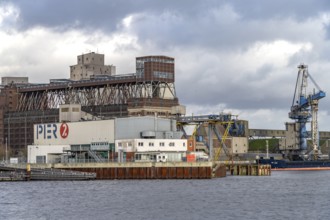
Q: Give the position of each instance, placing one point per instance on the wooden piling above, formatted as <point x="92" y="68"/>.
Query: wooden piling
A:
<point x="249" y="170"/>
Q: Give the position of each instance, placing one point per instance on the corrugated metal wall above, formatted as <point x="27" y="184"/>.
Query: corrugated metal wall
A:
<point x="130" y="128"/>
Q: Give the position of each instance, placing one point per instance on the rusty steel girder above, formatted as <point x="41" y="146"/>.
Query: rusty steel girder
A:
<point x="51" y="97"/>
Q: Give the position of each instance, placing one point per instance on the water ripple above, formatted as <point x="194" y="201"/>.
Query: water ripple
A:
<point x="284" y="195"/>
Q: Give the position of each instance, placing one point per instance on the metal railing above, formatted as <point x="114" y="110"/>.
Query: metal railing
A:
<point x="74" y="160"/>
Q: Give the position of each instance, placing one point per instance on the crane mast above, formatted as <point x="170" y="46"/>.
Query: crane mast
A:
<point x="314" y="129"/>
<point x="305" y="107"/>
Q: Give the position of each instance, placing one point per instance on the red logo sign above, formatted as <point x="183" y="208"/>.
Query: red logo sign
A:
<point x="64" y="130"/>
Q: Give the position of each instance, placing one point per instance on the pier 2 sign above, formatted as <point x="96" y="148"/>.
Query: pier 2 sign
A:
<point x="50" y="131"/>
<point x="73" y="133"/>
<point x="46" y="131"/>
<point x="64" y="130"/>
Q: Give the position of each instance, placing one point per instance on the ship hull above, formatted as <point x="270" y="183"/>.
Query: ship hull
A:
<point x="296" y="165"/>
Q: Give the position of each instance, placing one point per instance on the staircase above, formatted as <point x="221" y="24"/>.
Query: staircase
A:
<point x="96" y="157"/>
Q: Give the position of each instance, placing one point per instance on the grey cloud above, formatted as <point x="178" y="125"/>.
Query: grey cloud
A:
<point x="105" y="14"/>
<point x="62" y="14"/>
<point x="205" y="23"/>
<point x="300" y="10"/>
<point x="215" y="30"/>
<point x="258" y="90"/>
<point x="91" y="14"/>
<point x="192" y="30"/>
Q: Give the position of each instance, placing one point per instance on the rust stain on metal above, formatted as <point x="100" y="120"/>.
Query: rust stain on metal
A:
<point x="152" y="172"/>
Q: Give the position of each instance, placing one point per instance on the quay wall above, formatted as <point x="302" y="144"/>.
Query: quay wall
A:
<point x="160" y="170"/>
<point x="143" y="170"/>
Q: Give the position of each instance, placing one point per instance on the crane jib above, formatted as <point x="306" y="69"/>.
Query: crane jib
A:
<point x="318" y="95"/>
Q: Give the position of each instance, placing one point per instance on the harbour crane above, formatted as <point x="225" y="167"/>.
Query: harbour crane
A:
<point x="305" y="108"/>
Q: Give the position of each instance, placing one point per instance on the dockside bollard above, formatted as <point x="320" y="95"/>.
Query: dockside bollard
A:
<point x="28" y="172"/>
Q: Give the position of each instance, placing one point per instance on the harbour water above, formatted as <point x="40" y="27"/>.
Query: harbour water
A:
<point x="283" y="195"/>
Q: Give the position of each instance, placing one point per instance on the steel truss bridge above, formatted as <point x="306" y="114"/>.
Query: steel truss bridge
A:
<point x="266" y="133"/>
<point x="128" y="89"/>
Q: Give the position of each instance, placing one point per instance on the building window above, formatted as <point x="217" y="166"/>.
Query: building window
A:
<point x="161" y="144"/>
<point x="151" y="144"/>
<point x="171" y="144"/>
<point x="184" y="144"/>
<point x="140" y="144"/>
<point x="65" y="110"/>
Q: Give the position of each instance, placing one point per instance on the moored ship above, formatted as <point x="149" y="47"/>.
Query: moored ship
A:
<point x="296" y="165"/>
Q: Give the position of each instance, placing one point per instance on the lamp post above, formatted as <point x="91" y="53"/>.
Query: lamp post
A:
<point x="6" y="151"/>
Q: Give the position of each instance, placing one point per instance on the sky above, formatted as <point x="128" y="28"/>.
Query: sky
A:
<point x="234" y="56"/>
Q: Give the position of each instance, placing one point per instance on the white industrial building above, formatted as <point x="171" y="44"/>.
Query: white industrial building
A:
<point x="147" y="145"/>
<point x="99" y="140"/>
<point x="45" y="153"/>
<point x="160" y="150"/>
<point x="80" y="137"/>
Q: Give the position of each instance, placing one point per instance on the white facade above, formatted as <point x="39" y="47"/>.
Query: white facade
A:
<point x="178" y="110"/>
<point x="70" y="113"/>
<point x="85" y="132"/>
<point x="15" y="80"/>
<point x="239" y="145"/>
<point x="151" y="145"/>
<point x="74" y="133"/>
<point x="45" y="153"/>
<point x="50" y="139"/>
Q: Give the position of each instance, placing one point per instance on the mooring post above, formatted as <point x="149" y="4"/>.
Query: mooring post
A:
<point x="28" y="172"/>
